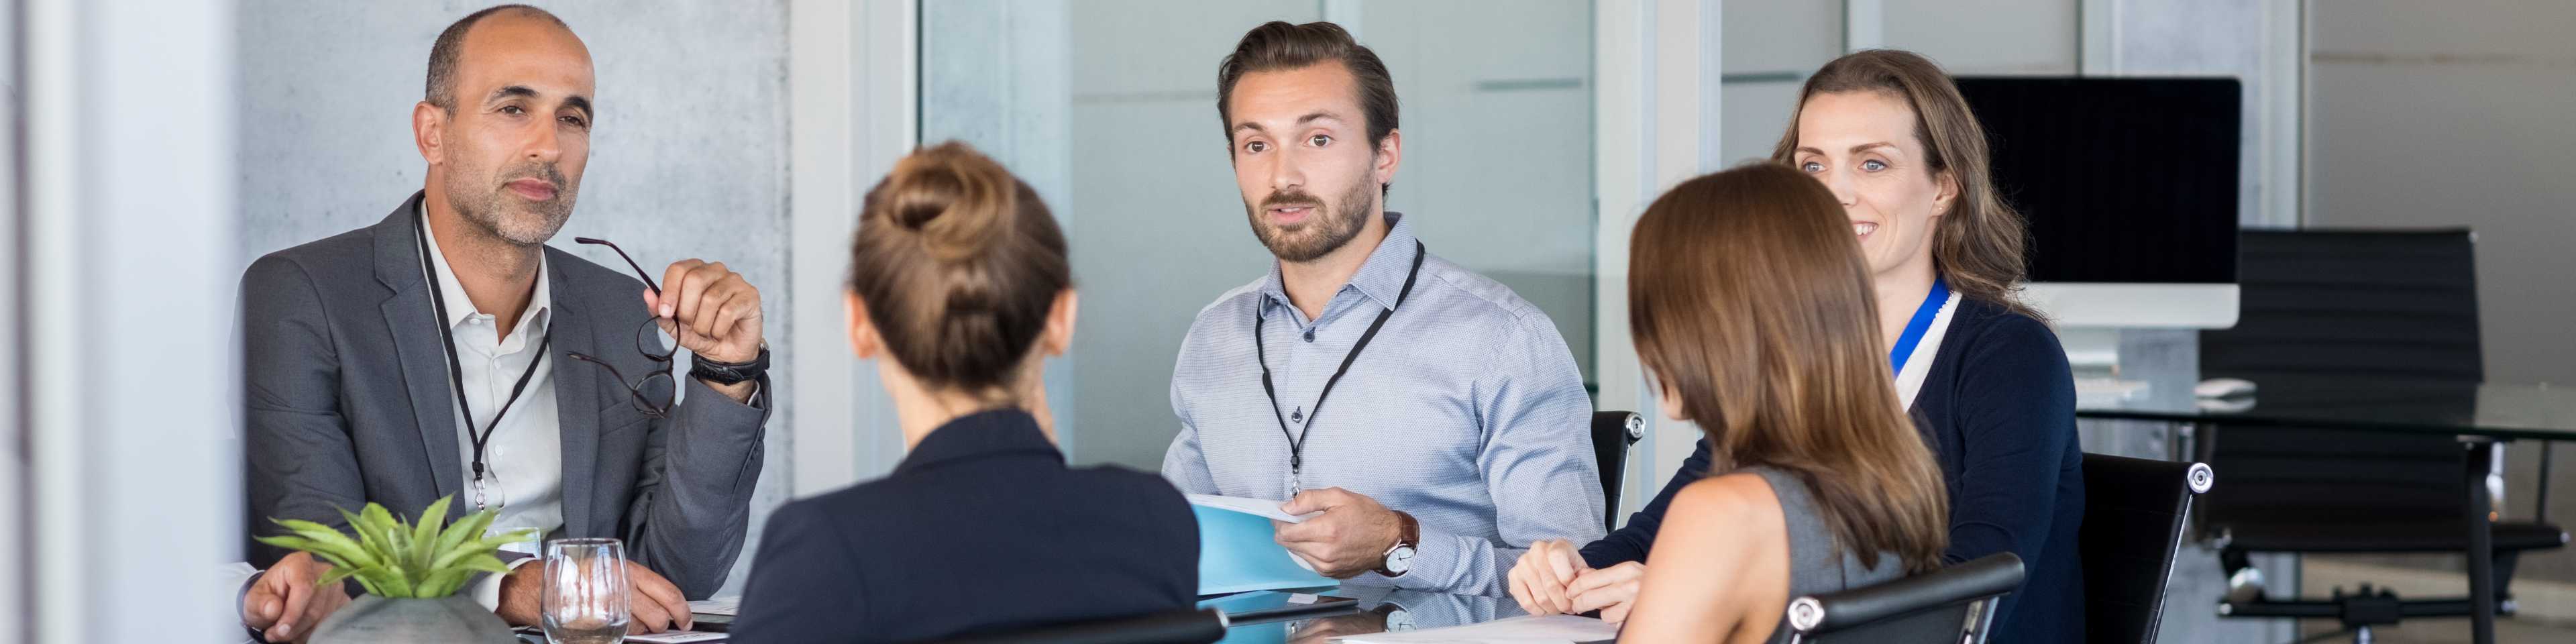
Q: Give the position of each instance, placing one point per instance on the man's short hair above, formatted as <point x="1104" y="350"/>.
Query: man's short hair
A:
<point x="1279" y="45"/>
<point x="441" y="90"/>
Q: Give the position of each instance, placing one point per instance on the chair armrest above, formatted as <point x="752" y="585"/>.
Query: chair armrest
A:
<point x="1988" y="576"/>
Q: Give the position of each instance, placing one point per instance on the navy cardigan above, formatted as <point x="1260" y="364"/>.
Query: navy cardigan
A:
<point x="1998" y="409"/>
<point x="982" y="528"/>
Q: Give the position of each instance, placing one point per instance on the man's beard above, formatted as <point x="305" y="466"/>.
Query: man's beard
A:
<point x="1327" y="230"/>
<point x="512" y="218"/>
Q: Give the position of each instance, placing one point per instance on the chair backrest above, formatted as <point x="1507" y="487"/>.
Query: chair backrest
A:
<point x="1953" y="605"/>
<point x="1186" y="626"/>
<point x="1613" y="432"/>
<point x="2395" y="306"/>
<point x="2134" y="510"/>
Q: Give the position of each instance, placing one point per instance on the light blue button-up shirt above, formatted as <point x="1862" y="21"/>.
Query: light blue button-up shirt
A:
<point x="1466" y="411"/>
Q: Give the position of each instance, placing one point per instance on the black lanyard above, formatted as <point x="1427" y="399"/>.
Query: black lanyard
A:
<point x="1297" y="441"/>
<point x="456" y="370"/>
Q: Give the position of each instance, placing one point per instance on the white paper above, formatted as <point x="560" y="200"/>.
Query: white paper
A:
<point x="1255" y="507"/>
<point x="677" y="637"/>
<point x="726" y="606"/>
<point x="1555" y="629"/>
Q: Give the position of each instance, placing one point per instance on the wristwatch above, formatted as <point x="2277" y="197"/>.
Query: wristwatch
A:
<point x="1398" y="620"/>
<point x="1399" y="557"/>
<point x="727" y="373"/>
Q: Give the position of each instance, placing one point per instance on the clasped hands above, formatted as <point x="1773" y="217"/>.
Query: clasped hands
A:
<point x="1553" y="578"/>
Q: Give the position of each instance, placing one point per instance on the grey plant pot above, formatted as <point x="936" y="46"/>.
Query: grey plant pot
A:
<point x="376" y="620"/>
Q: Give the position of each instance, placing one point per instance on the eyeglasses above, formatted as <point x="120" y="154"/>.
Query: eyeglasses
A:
<point x="653" y="394"/>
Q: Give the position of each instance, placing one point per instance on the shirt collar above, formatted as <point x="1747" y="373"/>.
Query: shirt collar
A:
<point x="460" y="307"/>
<point x="992" y="432"/>
<point x="1381" y="278"/>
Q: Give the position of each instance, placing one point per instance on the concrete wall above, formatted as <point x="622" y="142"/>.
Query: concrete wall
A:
<point x="688" y="156"/>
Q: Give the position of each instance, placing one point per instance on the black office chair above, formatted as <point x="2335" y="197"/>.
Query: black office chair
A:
<point x="2133" y="525"/>
<point x="1188" y="626"/>
<point x="2393" y="308"/>
<point x="1613" y="432"/>
<point x="1953" y="605"/>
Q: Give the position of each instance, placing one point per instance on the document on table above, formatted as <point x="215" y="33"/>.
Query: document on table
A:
<point x="677" y="637"/>
<point x="1239" y="551"/>
<point x="533" y="635"/>
<point x="1548" y="629"/>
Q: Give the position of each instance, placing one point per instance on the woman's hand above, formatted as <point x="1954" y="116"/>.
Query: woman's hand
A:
<point x="1540" y="579"/>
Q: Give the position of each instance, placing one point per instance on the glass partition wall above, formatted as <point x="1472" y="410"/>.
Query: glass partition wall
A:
<point x="1108" y="109"/>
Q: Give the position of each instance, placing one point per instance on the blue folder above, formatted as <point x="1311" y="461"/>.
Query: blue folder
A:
<point x="1237" y="553"/>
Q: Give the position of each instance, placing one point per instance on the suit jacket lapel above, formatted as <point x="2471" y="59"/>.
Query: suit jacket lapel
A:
<point x="422" y="358"/>
<point x="577" y="404"/>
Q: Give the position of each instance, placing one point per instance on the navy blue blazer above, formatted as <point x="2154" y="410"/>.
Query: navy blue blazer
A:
<point x="1998" y="409"/>
<point x="981" y="528"/>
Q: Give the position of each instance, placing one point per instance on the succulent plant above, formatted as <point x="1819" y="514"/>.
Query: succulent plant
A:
<point x="398" y="559"/>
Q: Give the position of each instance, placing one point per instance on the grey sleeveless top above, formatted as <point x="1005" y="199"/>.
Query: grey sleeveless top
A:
<point x="1815" y="565"/>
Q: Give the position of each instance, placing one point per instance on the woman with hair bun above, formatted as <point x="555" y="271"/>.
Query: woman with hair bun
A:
<point x="959" y="286"/>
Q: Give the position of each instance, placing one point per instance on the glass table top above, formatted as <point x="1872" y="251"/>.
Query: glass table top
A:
<point x="2502" y="410"/>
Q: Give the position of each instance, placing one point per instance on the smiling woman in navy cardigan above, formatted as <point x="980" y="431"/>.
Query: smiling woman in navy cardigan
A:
<point x="1985" y="381"/>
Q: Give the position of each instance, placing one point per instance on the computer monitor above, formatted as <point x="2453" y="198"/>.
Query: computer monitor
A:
<point x="2131" y="189"/>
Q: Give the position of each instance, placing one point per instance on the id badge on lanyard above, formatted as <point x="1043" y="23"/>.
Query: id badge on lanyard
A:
<point x="1911" y="357"/>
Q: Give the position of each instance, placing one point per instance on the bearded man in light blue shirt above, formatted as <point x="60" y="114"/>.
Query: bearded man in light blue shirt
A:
<point x="1433" y="417"/>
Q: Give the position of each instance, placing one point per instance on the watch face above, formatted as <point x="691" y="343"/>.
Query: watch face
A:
<point x="1399" y="621"/>
<point x="1400" y="560"/>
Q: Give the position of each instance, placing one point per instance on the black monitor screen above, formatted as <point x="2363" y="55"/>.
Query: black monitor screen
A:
<point x="2122" y="179"/>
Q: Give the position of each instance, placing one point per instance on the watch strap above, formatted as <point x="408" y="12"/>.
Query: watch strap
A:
<point x="1408" y="537"/>
<point x="727" y="373"/>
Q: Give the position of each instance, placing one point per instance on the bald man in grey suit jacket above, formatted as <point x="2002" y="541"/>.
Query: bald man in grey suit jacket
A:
<point x="447" y="351"/>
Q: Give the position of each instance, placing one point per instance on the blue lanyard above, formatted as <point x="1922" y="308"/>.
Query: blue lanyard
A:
<point x="1922" y="322"/>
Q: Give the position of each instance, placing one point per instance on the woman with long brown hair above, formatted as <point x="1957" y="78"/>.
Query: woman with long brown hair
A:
<point x="1752" y="310"/>
<point x="1888" y="135"/>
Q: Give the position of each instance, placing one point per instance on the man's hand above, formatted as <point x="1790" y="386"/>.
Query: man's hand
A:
<point x="286" y="603"/>
<point x="1611" y="590"/>
<point x="655" y="602"/>
<point x="1350" y="538"/>
<point x="712" y="312"/>
<point x="1539" y="580"/>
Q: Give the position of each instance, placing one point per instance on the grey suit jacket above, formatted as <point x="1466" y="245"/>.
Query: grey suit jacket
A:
<point x="348" y="402"/>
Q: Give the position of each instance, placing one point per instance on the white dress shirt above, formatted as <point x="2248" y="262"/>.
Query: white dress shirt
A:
<point x="523" y="458"/>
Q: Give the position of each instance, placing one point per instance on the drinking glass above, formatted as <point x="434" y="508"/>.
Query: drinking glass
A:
<point x="585" y="597"/>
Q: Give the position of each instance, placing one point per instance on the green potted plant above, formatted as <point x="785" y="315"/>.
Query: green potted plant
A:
<point x="411" y="572"/>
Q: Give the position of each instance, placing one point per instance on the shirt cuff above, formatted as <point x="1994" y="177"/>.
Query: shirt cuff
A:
<point x="487" y="592"/>
<point x="243" y="595"/>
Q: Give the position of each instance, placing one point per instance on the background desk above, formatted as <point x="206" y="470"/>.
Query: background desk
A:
<point x="2485" y="412"/>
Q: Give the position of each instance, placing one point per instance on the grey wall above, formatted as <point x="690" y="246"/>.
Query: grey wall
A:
<point x="2455" y="114"/>
<point x="1989" y="37"/>
<point x="688" y="158"/>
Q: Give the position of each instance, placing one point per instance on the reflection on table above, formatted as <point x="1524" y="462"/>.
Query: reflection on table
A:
<point x="1373" y="610"/>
